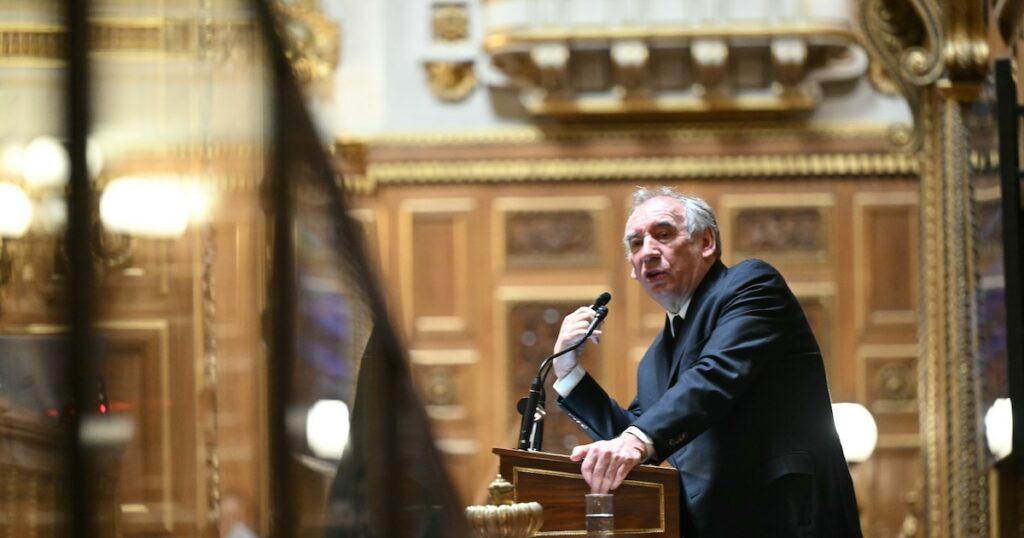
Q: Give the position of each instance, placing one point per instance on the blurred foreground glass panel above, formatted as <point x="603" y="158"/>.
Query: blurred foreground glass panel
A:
<point x="35" y="408"/>
<point x="220" y="400"/>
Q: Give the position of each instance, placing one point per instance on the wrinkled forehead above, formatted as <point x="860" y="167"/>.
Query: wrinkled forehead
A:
<point x="656" y="211"/>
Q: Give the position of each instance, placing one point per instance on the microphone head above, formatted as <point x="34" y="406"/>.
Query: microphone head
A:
<point x="602" y="300"/>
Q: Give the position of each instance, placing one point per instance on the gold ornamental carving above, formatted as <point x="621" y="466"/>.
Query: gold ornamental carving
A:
<point x="450" y="23"/>
<point x="915" y="44"/>
<point x="450" y="81"/>
<point x="312" y="41"/>
<point x="503" y="517"/>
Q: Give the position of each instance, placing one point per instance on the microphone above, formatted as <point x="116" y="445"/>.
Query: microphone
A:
<point x="531" y="429"/>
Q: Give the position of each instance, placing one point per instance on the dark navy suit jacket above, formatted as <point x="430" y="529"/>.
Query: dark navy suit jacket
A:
<point x="740" y="406"/>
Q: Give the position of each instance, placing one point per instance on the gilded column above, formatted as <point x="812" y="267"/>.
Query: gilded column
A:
<point x="934" y="53"/>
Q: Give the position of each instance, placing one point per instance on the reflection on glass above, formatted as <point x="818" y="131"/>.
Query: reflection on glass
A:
<point x="176" y="430"/>
<point x="991" y="296"/>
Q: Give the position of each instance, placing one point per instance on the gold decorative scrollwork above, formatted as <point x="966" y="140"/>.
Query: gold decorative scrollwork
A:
<point x="917" y="43"/>
<point x="902" y="37"/>
<point x="312" y="41"/>
<point x="966" y="51"/>
<point x="451" y="81"/>
<point x="922" y="63"/>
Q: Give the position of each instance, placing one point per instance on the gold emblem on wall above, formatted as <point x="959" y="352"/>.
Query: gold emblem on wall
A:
<point x="450" y="22"/>
<point x="451" y="81"/>
<point x="312" y="41"/>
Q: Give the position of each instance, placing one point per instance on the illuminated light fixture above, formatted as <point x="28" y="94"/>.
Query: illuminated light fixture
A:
<point x="857" y="430"/>
<point x="104" y="430"/>
<point x="45" y="163"/>
<point x="151" y="207"/>
<point x="15" y="211"/>
<point x="327" y="428"/>
<point x="10" y="159"/>
<point x="999" y="428"/>
<point x="51" y="215"/>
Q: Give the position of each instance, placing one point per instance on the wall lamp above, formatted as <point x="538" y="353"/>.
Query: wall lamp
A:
<point x="33" y="179"/>
<point x="857" y="430"/>
<point x="999" y="428"/>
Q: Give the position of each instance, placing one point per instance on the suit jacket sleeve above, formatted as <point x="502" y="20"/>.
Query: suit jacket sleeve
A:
<point x="598" y="414"/>
<point x="747" y="327"/>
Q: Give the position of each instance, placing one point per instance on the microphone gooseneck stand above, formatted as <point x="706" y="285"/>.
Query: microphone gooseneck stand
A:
<point x="531" y="428"/>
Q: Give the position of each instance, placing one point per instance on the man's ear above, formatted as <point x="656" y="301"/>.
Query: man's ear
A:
<point x="707" y="243"/>
<point x="632" y="272"/>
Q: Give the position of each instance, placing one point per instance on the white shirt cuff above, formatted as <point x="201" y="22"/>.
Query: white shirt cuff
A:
<point x="646" y="439"/>
<point x="565" y="385"/>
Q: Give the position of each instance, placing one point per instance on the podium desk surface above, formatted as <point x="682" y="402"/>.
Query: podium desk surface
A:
<point x="646" y="504"/>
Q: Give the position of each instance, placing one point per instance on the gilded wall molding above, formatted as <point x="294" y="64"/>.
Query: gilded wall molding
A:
<point x="956" y="493"/>
<point x="503" y="41"/>
<point x="796" y="165"/>
<point x="147" y="37"/>
<point x="31" y="43"/>
<point x="599" y="131"/>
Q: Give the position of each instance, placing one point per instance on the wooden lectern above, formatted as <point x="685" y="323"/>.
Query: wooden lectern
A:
<point x="646" y="504"/>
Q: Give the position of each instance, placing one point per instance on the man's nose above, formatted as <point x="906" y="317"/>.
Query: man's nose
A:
<point x="650" y="251"/>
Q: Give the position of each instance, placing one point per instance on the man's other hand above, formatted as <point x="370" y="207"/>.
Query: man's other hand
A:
<point x="606" y="463"/>
<point x="574" y="327"/>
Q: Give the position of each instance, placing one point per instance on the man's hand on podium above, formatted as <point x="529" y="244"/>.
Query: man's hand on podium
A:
<point x="606" y="463"/>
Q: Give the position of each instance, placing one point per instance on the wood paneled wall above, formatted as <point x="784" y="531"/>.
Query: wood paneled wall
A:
<point x="480" y="275"/>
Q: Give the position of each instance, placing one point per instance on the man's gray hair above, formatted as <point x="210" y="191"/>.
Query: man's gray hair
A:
<point x="697" y="214"/>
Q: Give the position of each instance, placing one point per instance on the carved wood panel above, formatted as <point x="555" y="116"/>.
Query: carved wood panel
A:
<point x="434" y="265"/>
<point x="136" y="366"/>
<point x="549" y="232"/>
<point x="784" y="229"/>
<point x="885" y="254"/>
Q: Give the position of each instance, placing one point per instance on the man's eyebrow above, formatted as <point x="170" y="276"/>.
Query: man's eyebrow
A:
<point x="660" y="224"/>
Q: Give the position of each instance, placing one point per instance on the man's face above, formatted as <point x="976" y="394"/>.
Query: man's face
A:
<point x="667" y="262"/>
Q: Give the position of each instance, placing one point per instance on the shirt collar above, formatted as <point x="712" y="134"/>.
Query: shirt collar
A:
<point x="681" y="314"/>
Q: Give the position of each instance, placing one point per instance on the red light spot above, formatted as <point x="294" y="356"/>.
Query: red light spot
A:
<point x="103" y="409"/>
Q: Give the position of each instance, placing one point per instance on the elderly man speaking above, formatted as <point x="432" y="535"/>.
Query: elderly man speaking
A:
<point x="732" y="392"/>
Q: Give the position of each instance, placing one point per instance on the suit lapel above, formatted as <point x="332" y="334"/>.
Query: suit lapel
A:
<point x="683" y="342"/>
<point x="664" y="357"/>
<point x="690" y="336"/>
